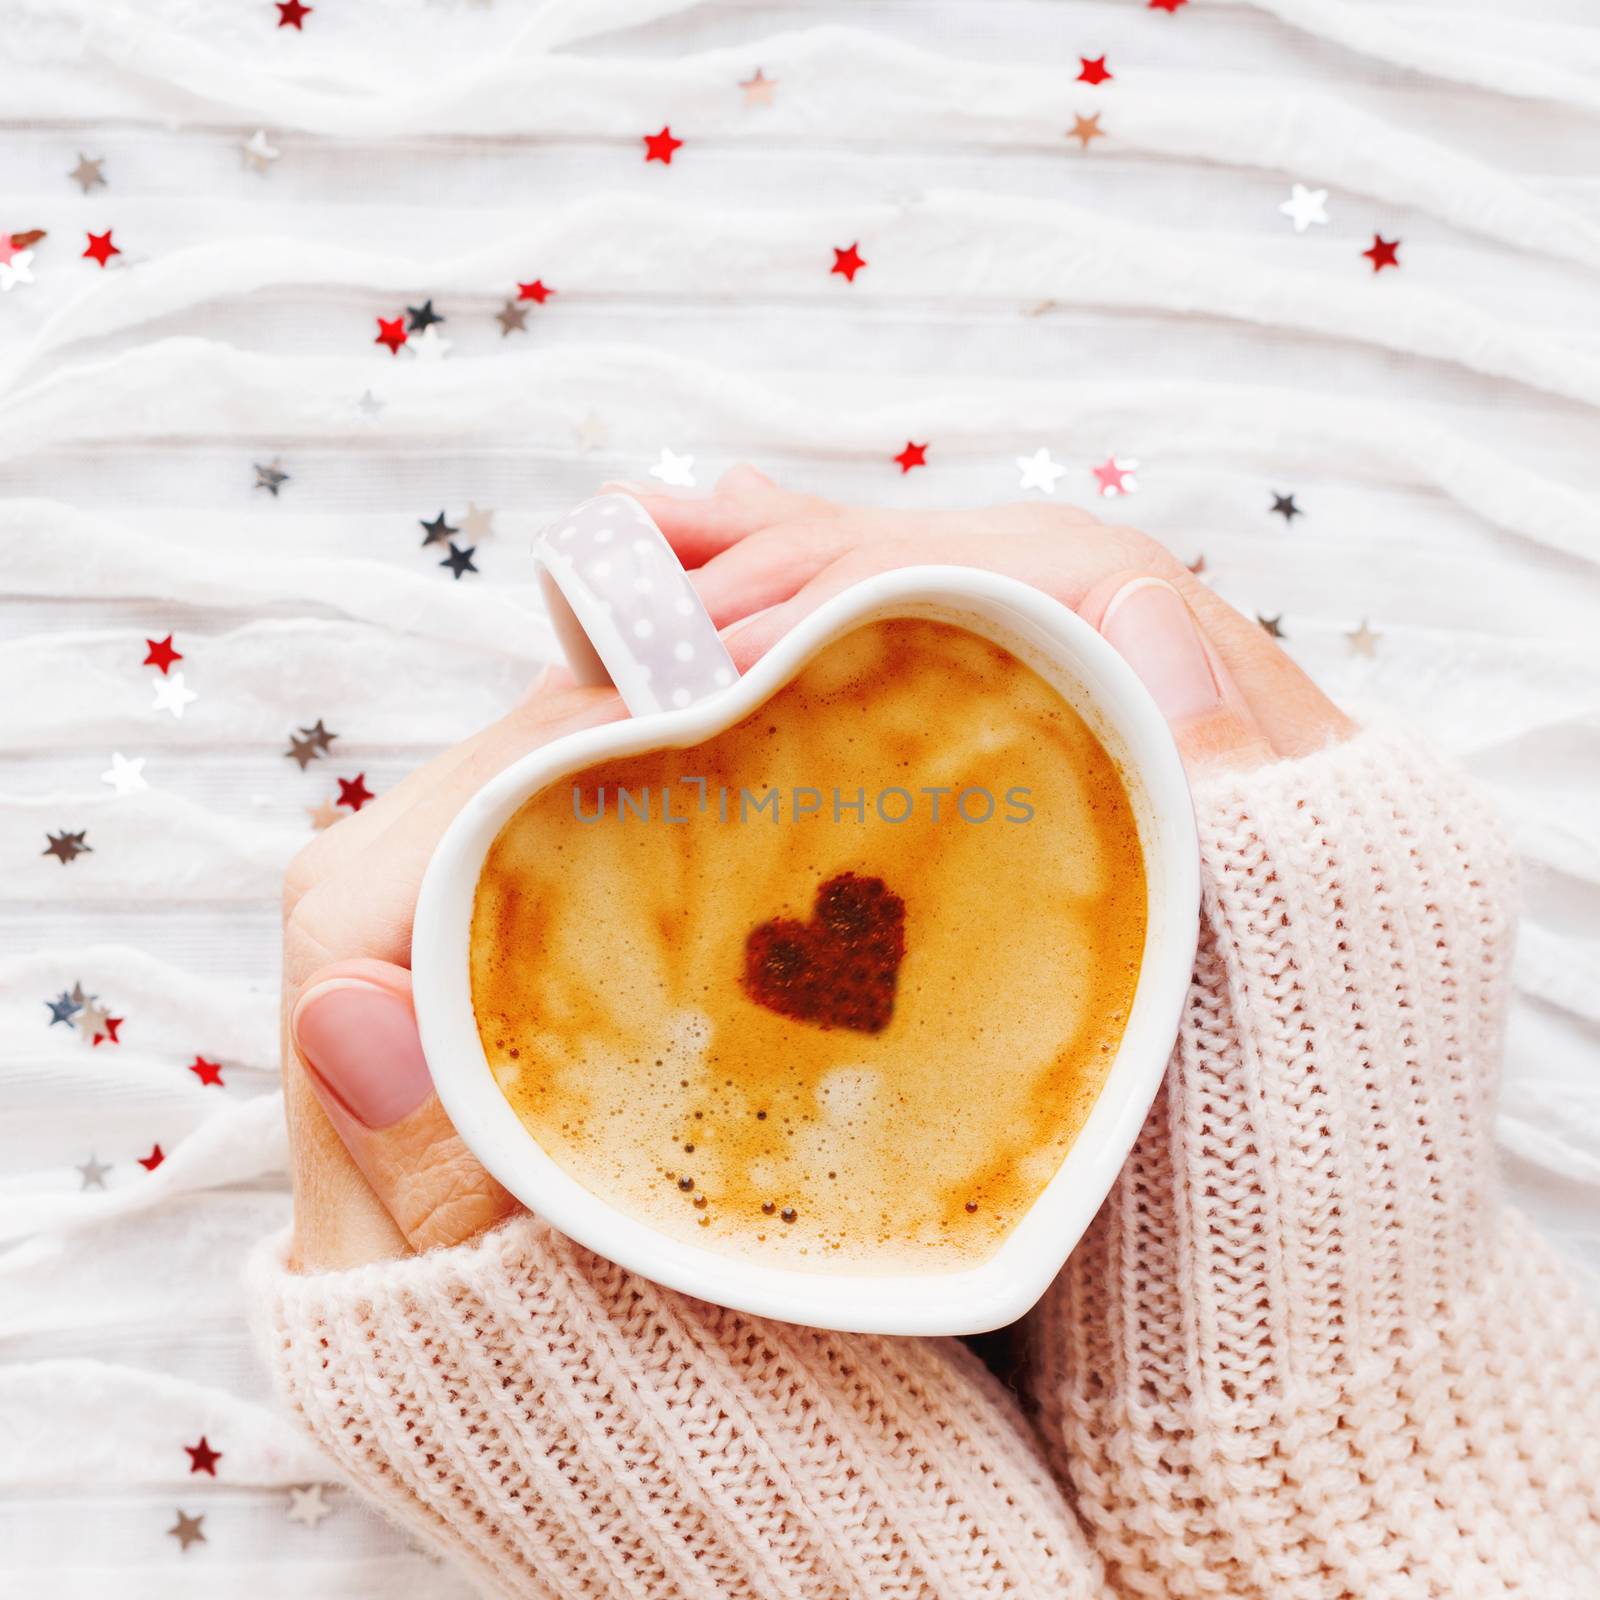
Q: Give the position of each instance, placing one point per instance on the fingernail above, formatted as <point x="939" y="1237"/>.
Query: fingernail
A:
<point x="1153" y="630"/>
<point x="360" y="1042"/>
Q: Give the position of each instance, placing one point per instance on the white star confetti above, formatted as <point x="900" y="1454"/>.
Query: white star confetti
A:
<point x="430" y="345"/>
<point x="1305" y="206"/>
<point x="677" y="471"/>
<point x="125" y="776"/>
<point x="1039" y="471"/>
<point x="15" y="268"/>
<point x="172" y="695"/>
<point x="256" y="153"/>
<point x="307" y="1505"/>
<point x="592" y="433"/>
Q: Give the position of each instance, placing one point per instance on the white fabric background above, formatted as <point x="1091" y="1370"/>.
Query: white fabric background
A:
<point x="1437" y="425"/>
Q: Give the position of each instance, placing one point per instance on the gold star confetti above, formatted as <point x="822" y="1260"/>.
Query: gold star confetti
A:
<point x="186" y="1530"/>
<point x="324" y="815"/>
<point x="476" y="523"/>
<point x="1085" y="129"/>
<point x="1364" y="640"/>
<point x="758" y="89"/>
<point x="256" y="153"/>
<point x="87" y="174"/>
<point x="511" y="317"/>
<point x="1272" y="625"/>
<point x="319" y="736"/>
<point x="66" y="846"/>
<point x="307" y="1505"/>
<point x="302" y="751"/>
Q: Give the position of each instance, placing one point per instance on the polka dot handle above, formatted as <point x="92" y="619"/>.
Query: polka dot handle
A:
<point x="624" y="609"/>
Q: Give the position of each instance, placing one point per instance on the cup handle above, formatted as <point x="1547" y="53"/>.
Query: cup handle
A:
<point x="624" y="610"/>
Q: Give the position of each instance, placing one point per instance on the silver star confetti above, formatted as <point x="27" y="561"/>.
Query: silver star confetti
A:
<point x="94" y="1173"/>
<point x="125" y="776"/>
<point x="370" y="406"/>
<point x="172" y="695"/>
<point x="1039" y="471"/>
<point x="676" y="471"/>
<point x="592" y="433"/>
<point x="62" y="1008"/>
<point x="512" y="318"/>
<point x="256" y="153"/>
<point x="87" y="174"/>
<point x="270" y="477"/>
<point x="306" y="1504"/>
<point x="1305" y="207"/>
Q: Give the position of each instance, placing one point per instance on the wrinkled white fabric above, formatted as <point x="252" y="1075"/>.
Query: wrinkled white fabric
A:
<point x="1437" y="425"/>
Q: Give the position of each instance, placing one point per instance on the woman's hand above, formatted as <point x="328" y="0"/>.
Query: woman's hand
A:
<point x="378" y="1170"/>
<point x="762" y="558"/>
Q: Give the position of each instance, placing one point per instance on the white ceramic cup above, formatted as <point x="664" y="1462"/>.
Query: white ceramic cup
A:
<point x="626" y="611"/>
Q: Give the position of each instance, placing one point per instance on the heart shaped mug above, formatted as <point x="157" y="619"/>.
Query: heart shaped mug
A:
<point x="626" y="613"/>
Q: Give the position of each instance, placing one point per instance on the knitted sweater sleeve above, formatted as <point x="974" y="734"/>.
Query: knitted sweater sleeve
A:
<point x="562" y="1427"/>
<point x="1304" y="1350"/>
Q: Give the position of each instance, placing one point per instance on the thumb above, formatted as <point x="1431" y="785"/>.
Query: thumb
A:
<point x="356" y="1033"/>
<point x="1149" y="624"/>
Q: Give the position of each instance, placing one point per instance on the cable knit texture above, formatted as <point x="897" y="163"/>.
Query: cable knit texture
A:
<point x="1302" y="1352"/>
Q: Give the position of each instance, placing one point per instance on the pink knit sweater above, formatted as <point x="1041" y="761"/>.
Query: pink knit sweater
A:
<point x="1303" y="1351"/>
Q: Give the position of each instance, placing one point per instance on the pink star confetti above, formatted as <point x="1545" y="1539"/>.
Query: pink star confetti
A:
<point x="1115" y="476"/>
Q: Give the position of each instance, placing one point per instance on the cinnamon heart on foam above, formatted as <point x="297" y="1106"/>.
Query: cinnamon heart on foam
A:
<point x="839" y="969"/>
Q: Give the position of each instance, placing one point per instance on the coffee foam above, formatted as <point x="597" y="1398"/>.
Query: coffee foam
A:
<point x="607" y="959"/>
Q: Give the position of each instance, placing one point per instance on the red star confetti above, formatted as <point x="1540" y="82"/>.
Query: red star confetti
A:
<point x="659" y="146"/>
<point x="353" y="792"/>
<point x="847" y="263"/>
<point x="1382" y="254"/>
<point x="537" y="291"/>
<point x="1094" y="71"/>
<point x="161" y="654"/>
<point x="291" y="14"/>
<point x="1165" y="5"/>
<point x="1115" y="477"/>
<point x="202" y="1458"/>
<point x="208" y="1072"/>
<point x="391" y="334"/>
<point x="101" y="248"/>
<point x="914" y="455"/>
<point x="110" y="1033"/>
<point x="154" y="1159"/>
